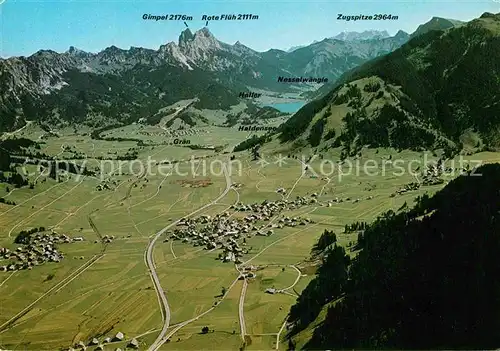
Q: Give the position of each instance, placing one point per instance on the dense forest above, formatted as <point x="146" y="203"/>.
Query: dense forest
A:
<point x="425" y="278"/>
<point x="297" y="124"/>
<point x="251" y="142"/>
<point x="9" y="149"/>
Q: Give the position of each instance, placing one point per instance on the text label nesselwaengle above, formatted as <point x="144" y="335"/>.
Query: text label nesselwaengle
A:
<point x="302" y="80"/>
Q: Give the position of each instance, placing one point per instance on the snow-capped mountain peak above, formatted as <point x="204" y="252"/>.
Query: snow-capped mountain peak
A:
<point x="365" y="35"/>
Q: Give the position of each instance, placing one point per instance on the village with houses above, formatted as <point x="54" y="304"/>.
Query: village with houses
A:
<point x="226" y="235"/>
<point x="36" y="249"/>
<point x="433" y="174"/>
<point x="224" y="231"/>
<point x="175" y="133"/>
<point x="229" y="232"/>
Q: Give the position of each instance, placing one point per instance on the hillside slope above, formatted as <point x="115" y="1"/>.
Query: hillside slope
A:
<point x="332" y="57"/>
<point x="106" y="98"/>
<point x="426" y="278"/>
<point x="436" y="23"/>
<point x="431" y="92"/>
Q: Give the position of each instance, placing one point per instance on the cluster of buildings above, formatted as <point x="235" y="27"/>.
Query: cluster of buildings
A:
<point x="273" y="291"/>
<point x="406" y="188"/>
<point x="430" y="176"/>
<point x="40" y="248"/>
<point x="106" y="239"/>
<point x="185" y="132"/>
<point x="267" y="209"/>
<point x="229" y="232"/>
<point x="218" y="232"/>
<point x="337" y="200"/>
<point x="175" y="133"/>
<point x="98" y="345"/>
<point x="107" y="184"/>
<point x="248" y="272"/>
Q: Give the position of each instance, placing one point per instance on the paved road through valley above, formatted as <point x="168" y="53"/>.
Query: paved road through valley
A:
<point x="160" y="339"/>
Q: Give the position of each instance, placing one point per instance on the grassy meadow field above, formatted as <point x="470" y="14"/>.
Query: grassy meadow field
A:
<point x="99" y="289"/>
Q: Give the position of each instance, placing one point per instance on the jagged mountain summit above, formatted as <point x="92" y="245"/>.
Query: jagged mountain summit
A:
<point x="54" y="83"/>
<point x="201" y="49"/>
<point x="186" y="36"/>
<point x="124" y="85"/>
<point x="365" y="35"/>
<point x="352" y="36"/>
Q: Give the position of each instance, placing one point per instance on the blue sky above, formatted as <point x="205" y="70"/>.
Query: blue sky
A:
<point x="28" y="26"/>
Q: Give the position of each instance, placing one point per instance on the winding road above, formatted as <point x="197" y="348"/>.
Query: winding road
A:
<point x="160" y="339"/>
<point x="241" y="314"/>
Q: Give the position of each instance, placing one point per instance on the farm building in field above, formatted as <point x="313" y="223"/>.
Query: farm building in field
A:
<point x="133" y="344"/>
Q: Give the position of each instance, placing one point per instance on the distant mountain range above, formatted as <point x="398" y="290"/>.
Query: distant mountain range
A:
<point x="332" y="57"/>
<point x="126" y="85"/>
<point x="435" y="23"/>
<point x="351" y="36"/>
<point x="366" y="35"/>
<point x="439" y="90"/>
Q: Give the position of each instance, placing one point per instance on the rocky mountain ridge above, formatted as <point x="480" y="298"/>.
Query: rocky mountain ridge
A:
<point x="365" y="35"/>
<point x="45" y="81"/>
